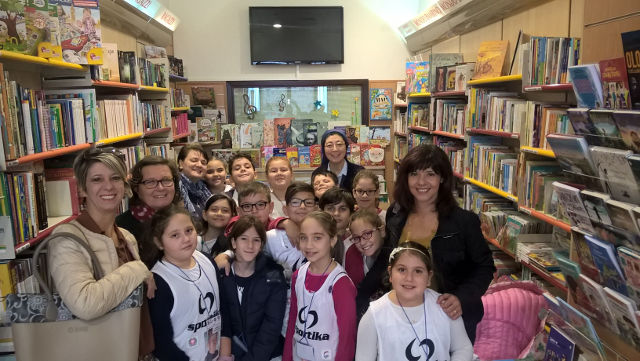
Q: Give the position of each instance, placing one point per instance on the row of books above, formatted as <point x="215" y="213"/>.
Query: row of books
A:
<point x="547" y="59"/>
<point x="615" y="129"/>
<point x="418" y="115"/>
<point x="152" y="74"/>
<point x="536" y="191"/>
<point x="155" y="114"/>
<point x="495" y="110"/>
<point x="414" y="139"/>
<point x="449" y="116"/>
<point x="492" y="163"/>
<point x="540" y="120"/>
<point x="180" y="123"/>
<point x="455" y="151"/>
<point x="400" y="123"/>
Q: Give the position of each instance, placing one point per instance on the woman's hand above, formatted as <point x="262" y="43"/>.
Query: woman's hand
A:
<point x="151" y="286"/>
<point x="450" y="305"/>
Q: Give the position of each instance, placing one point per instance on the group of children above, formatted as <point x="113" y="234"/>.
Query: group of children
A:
<point x="293" y="282"/>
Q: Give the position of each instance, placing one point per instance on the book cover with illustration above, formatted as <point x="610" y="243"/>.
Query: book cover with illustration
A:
<point x="380" y="135"/>
<point x="364" y="134"/>
<point x="304" y="157"/>
<point x="630" y="263"/>
<point x="628" y="122"/>
<point x="559" y="346"/>
<point x="80" y="31"/>
<point x="316" y="155"/>
<point x="298" y="135"/>
<point x="596" y="205"/>
<point x="605" y="258"/>
<point x="581" y="326"/>
<point x="464" y="73"/>
<point x="615" y="173"/>
<point x="438" y="60"/>
<point x="581" y="248"/>
<point x="109" y="68"/>
<point x="204" y="96"/>
<point x="441" y="79"/>
<point x="622" y="215"/>
<point x="371" y="154"/>
<point x="282" y="132"/>
<point x="246" y="137"/>
<point x="42" y="33"/>
<point x="310" y="131"/>
<point x="615" y="84"/>
<point x="400" y="94"/>
<point x="594" y="301"/>
<point x="586" y="85"/>
<point x="571" y="272"/>
<point x="490" y="59"/>
<point x="606" y="129"/>
<point x="354" y="153"/>
<point x="380" y="103"/>
<point x="417" y="77"/>
<point x="572" y="153"/>
<point x="623" y="310"/>
<point x="207" y="130"/>
<point x="352" y="133"/>
<point x="451" y="78"/>
<point x="268" y="131"/>
<point x="292" y="155"/>
<point x="13" y="31"/>
<point x="580" y="121"/>
<point x="631" y="47"/>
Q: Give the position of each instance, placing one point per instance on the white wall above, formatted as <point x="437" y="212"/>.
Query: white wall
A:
<point x="213" y="41"/>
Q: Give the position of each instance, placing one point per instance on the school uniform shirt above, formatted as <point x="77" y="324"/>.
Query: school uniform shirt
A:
<point x="385" y="334"/>
<point x="278" y="206"/>
<point x="330" y="318"/>
<point x="185" y="311"/>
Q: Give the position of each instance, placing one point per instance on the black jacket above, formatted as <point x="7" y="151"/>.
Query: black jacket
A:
<point x="346" y="182"/>
<point x="258" y="321"/>
<point x="463" y="265"/>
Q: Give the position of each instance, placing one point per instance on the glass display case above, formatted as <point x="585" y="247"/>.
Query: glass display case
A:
<point x="322" y="101"/>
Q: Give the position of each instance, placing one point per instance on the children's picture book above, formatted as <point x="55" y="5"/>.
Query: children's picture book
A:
<point x="605" y="258"/>
<point x="371" y="154"/>
<point x="559" y="346"/>
<point x="441" y="79"/>
<point x="204" y="96"/>
<point x="80" y="33"/>
<point x="207" y="130"/>
<point x="594" y="301"/>
<point x="583" y="325"/>
<point x="615" y="173"/>
<point x="304" y="157"/>
<point x="316" y="155"/>
<point x="628" y="122"/>
<point x="464" y="73"/>
<point x="380" y="102"/>
<point x="572" y="153"/>
<point x="109" y="68"/>
<point x="607" y="132"/>
<point x="580" y="121"/>
<point x="630" y="47"/>
<point x="490" y="59"/>
<point x="586" y="85"/>
<point x="571" y="272"/>
<point x="352" y="133"/>
<point x="615" y="84"/>
<point x="300" y="129"/>
<point x="418" y="115"/>
<point x="623" y="310"/>
<point x="580" y="246"/>
<point x="622" y="215"/>
<point x="596" y="205"/>
<point x="364" y="134"/>
<point x="354" y="153"/>
<point x="246" y="136"/>
<point x="451" y="78"/>
<point x="438" y="60"/>
<point x="401" y="94"/>
<point x="292" y="155"/>
<point x="311" y="133"/>
<point x="630" y="263"/>
<point x="417" y="77"/>
<point x="380" y="135"/>
<point x="268" y="129"/>
<point x="282" y="132"/>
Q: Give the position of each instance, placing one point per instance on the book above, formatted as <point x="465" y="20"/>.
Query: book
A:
<point x="380" y="135"/>
<point x="354" y="153"/>
<point x="623" y="310"/>
<point x="559" y="346"/>
<point x="441" y="79"/>
<point x="417" y="77"/>
<point x="571" y="272"/>
<point x="206" y="130"/>
<point x="580" y="121"/>
<point x="438" y="60"/>
<point x="596" y="205"/>
<point x="615" y="84"/>
<point x="316" y="155"/>
<point x="352" y="133"/>
<point x="634" y="163"/>
<point x="622" y="216"/>
<point x="464" y="73"/>
<point x="605" y="258"/>
<point x="247" y="136"/>
<point x="298" y="131"/>
<point x="268" y="129"/>
<point x="594" y="301"/>
<point x="203" y="96"/>
<point x="630" y="263"/>
<point x="80" y="31"/>
<point x="380" y="103"/>
<point x="282" y="132"/>
<point x="572" y="153"/>
<point x="628" y="122"/>
<point x="400" y="96"/>
<point x="292" y="155"/>
<point x="580" y="326"/>
<point x="586" y="85"/>
<point x="615" y="173"/>
<point x="450" y="84"/>
<point x="304" y="157"/>
<point x="630" y="47"/>
<point x="490" y="59"/>
<point x="109" y="68"/>
<point x="606" y="130"/>
<point x="371" y="154"/>
<point x="569" y="198"/>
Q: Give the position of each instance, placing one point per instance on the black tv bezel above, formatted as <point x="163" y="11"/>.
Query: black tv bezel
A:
<point x="295" y="62"/>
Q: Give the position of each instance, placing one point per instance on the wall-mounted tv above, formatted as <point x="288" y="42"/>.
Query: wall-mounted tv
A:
<point x="296" y="35"/>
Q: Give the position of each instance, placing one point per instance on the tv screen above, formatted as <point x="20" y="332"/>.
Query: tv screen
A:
<point x="296" y="35"/>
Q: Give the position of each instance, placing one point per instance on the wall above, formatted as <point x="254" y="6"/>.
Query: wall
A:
<point x="213" y="41"/>
<point x="603" y="24"/>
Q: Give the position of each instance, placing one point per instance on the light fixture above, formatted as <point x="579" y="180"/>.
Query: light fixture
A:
<point x="277" y="26"/>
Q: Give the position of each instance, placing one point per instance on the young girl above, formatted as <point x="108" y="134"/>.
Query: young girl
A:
<point x="279" y="176"/>
<point x="253" y="296"/>
<point x="408" y="320"/>
<point x="185" y="311"/>
<point x="322" y="319"/>
<point x="216" y="176"/>
<point x="367" y="258"/>
<point x="216" y="215"/>
<point x="366" y="190"/>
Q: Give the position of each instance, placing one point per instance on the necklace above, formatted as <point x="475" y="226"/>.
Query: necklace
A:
<point x="186" y="277"/>
<point x="308" y="308"/>
<point x="424" y="347"/>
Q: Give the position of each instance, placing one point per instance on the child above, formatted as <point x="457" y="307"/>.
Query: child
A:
<point x="323" y="180"/>
<point x="322" y="320"/>
<point x="367" y="258"/>
<point x="340" y="204"/>
<point x="253" y="296"/>
<point x="216" y="176"/>
<point x="216" y="215"/>
<point x="184" y="278"/>
<point x="366" y="190"/>
<point x="408" y="320"/>
<point x="279" y="176"/>
<point x="242" y="172"/>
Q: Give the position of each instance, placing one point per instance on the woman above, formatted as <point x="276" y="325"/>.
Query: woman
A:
<point x="192" y="162"/>
<point x="279" y="176"/>
<point x="425" y="212"/>
<point x="101" y="176"/>
<point x="254" y="296"/>
<point x="334" y="158"/>
<point x="154" y="182"/>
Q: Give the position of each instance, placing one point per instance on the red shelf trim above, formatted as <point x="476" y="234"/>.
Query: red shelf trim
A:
<point x="447" y="134"/>
<point x="419" y="129"/>
<point x="547" y="277"/>
<point x="50" y="154"/>
<point x="493" y="132"/>
<point x="42" y="235"/>
<point x="548" y="87"/>
<point x="156" y="131"/>
<point x="179" y="136"/>
<point x="547" y="218"/>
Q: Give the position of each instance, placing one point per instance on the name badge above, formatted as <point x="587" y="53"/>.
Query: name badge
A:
<point x="304" y="350"/>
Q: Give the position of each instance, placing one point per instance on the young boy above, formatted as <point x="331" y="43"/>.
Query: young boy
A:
<point x="241" y="172"/>
<point x="323" y="180"/>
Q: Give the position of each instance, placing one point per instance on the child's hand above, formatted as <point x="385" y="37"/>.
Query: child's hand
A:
<point x="292" y="230"/>
<point x="450" y="305"/>
<point x="151" y="287"/>
<point x="223" y="261"/>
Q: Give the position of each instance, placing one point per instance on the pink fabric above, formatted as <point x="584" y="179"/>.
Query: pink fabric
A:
<point x="510" y="321"/>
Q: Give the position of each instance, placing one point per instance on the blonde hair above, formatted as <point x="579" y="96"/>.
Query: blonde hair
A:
<point x="107" y="156"/>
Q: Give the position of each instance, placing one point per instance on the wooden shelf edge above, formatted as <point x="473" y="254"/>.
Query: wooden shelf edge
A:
<point x="419" y="129"/>
<point x="400" y="105"/>
<point x="20" y="247"/>
<point x="499" y="79"/>
<point x="400" y="134"/>
<point x="493" y="132"/>
<point x="447" y="134"/>
<point x="539" y="151"/>
<point x="546" y="276"/>
<point x="49" y="154"/>
<point x="121" y="138"/>
<point x="152" y="132"/>
<point x="492" y="189"/>
<point x="495" y="242"/>
<point x="547" y="218"/>
<point x="180" y="136"/>
<point x="56" y="63"/>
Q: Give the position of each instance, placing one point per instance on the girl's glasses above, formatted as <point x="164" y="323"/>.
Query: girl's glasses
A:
<point x="365" y="236"/>
<point x="362" y="192"/>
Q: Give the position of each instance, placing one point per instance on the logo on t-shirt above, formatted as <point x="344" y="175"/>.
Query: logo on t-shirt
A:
<point x="426" y="345"/>
<point x="202" y="303"/>
<point x="312" y="314"/>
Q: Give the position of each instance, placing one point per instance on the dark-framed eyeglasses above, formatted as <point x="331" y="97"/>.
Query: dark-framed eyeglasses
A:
<point x="247" y="207"/>
<point x="365" y="236"/>
<point x="152" y="183"/>
<point x="362" y="192"/>
<point x="297" y="202"/>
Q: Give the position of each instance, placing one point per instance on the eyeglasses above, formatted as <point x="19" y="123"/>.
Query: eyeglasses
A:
<point x="362" y="192"/>
<point x="152" y="183"/>
<point x="296" y="202"/>
<point x="365" y="236"/>
<point x="247" y="207"/>
<point x="338" y="145"/>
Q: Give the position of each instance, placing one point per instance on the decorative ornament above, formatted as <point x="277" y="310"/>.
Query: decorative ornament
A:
<point x="334" y="114"/>
<point x="282" y="104"/>
<point x="249" y="109"/>
<point x="318" y="104"/>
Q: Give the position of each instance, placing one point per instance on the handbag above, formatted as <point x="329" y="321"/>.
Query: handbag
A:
<point x="44" y="329"/>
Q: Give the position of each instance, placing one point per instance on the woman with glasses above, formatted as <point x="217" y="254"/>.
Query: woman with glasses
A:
<point x="101" y="177"/>
<point x="426" y="212"/>
<point x="366" y="191"/>
<point x="154" y="182"/>
<point x="334" y="158"/>
<point x="192" y="162"/>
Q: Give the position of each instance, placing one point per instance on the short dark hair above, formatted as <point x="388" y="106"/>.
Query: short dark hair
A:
<point x="336" y="195"/>
<point x="136" y="177"/>
<point x="295" y="188"/>
<point x="325" y="172"/>
<point x="252" y="188"/>
<point x="182" y="155"/>
<point x="365" y="173"/>
<point x="243" y="224"/>
<point x="240" y="155"/>
<point x="420" y="158"/>
<point x="214" y="198"/>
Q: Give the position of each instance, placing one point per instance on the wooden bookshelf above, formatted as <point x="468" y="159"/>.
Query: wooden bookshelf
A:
<point x="180" y="109"/>
<point x="416" y="128"/>
<point x="547" y="218"/>
<point x="453" y="93"/>
<point x="400" y="105"/>
<point x="447" y="134"/>
<point x="119" y="139"/>
<point x="491" y="189"/>
<point x="114" y="84"/>
<point x="53" y="222"/>
<point x="548" y="88"/>
<point x="496" y="133"/>
<point x="499" y="79"/>
<point x="49" y="154"/>
<point x="495" y="242"/>
<point x="539" y="151"/>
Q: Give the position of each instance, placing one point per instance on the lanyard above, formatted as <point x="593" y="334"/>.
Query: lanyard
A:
<point x="187" y="278"/>
<point x="306" y="316"/>
<point x="424" y="347"/>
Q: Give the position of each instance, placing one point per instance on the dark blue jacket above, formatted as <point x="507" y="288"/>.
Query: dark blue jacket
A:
<point x="258" y="321"/>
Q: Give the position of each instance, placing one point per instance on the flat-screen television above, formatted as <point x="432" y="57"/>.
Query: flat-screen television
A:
<point x="296" y="35"/>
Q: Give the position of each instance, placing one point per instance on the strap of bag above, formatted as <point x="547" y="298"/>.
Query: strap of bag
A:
<point x="52" y="310"/>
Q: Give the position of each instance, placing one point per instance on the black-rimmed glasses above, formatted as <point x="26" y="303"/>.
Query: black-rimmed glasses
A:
<point x="152" y="183"/>
<point x="297" y="202"/>
<point x="247" y="207"/>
